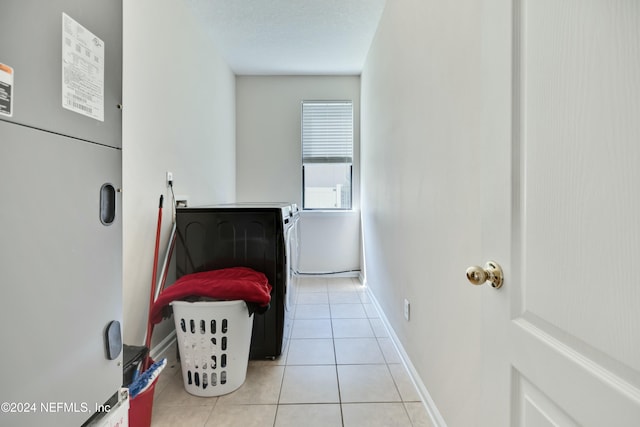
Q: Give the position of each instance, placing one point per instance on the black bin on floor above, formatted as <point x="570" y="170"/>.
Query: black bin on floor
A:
<point x="132" y="358"/>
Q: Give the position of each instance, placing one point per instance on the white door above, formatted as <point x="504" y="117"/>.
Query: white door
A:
<point x="561" y="212"/>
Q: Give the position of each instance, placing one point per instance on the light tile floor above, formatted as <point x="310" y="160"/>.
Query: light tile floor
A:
<point x="340" y="368"/>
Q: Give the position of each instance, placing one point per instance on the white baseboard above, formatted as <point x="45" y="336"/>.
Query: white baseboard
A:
<point x="159" y="350"/>
<point x="362" y="278"/>
<point x="436" y="417"/>
<point x="353" y="273"/>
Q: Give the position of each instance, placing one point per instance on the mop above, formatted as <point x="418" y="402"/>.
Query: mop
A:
<point x="158" y="285"/>
<point x="144" y="380"/>
<point x="140" y="411"/>
<point x="147" y="341"/>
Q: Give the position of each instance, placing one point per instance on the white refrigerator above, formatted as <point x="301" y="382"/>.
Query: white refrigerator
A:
<point x="60" y="209"/>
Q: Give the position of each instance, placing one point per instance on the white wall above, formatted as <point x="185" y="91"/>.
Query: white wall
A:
<point x="419" y="156"/>
<point x="179" y="116"/>
<point x="269" y="160"/>
<point x="329" y="242"/>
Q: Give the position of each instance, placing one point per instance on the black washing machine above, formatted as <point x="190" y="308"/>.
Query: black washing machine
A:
<point x="250" y="235"/>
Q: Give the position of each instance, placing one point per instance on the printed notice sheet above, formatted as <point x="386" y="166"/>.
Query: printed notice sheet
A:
<point x="6" y="90"/>
<point x="82" y="70"/>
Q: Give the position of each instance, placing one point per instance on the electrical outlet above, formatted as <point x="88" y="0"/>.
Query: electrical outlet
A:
<point x="407" y="308"/>
<point x="169" y="178"/>
<point x="182" y="201"/>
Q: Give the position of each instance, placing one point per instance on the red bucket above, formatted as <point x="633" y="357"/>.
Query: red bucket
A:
<point x="141" y="407"/>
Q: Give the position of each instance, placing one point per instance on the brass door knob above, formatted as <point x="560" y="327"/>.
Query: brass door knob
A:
<point x="492" y="272"/>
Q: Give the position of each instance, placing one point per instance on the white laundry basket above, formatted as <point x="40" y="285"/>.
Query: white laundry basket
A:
<point x="214" y="339"/>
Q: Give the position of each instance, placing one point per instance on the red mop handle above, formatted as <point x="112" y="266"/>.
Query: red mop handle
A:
<point x="154" y="277"/>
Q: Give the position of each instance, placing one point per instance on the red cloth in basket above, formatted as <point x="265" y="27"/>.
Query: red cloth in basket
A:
<point x="235" y="283"/>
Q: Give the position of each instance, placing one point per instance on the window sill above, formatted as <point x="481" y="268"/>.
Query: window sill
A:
<point x="329" y="211"/>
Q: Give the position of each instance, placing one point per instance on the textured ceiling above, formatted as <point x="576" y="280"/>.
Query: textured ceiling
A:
<point x="291" y="37"/>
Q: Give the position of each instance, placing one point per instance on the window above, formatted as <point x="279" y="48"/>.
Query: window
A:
<point x="327" y="154"/>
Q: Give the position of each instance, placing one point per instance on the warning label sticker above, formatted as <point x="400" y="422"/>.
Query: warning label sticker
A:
<point x="82" y="70"/>
<point x="6" y="90"/>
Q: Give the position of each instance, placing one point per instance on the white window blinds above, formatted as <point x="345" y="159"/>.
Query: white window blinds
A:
<point x="327" y="132"/>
